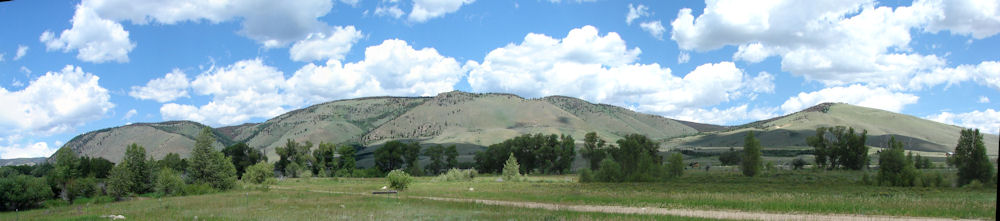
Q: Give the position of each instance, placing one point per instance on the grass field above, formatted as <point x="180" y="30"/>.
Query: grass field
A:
<point x="822" y="192"/>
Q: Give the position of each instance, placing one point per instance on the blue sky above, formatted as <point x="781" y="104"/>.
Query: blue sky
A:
<point x="68" y="67"/>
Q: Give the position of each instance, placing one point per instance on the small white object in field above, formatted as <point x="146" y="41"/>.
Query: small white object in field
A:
<point x="341" y="206"/>
<point x="472" y="189"/>
<point x="385" y="187"/>
<point x="114" y="217"/>
<point x="499" y="179"/>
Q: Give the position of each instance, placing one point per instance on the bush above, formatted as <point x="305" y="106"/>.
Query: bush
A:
<point x="456" y="175"/>
<point x="399" y="180"/>
<point x="798" y="163"/>
<point x="610" y="171"/>
<point x="731" y="157"/>
<point x="894" y="169"/>
<point x="198" y="189"/>
<point x="168" y="182"/>
<point x="259" y="173"/>
<point x="18" y="192"/>
<point x="83" y="187"/>
<point x="586" y="175"/>
<point x="971" y="160"/>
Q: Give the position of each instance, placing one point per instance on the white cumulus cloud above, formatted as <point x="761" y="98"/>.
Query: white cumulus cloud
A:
<point x="987" y="121"/>
<point x="239" y="92"/>
<point x="391" y="68"/>
<point x="17" y="150"/>
<point x="332" y="45"/>
<point x="172" y="86"/>
<point x="635" y="12"/>
<point x="866" y="96"/>
<point x="835" y="42"/>
<point x="96" y="39"/>
<point x="55" y="102"/>
<point x="603" y="69"/>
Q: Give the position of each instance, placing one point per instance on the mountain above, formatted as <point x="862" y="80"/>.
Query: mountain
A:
<point x="791" y="130"/>
<point x="473" y="121"/>
<point x="158" y="139"/>
<point x="21" y="161"/>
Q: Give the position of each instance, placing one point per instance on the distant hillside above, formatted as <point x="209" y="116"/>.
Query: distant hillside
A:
<point x="21" y="161"/>
<point x="791" y="130"/>
<point x="158" y="139"/>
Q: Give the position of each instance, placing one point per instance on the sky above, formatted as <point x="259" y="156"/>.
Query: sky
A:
<point x="69" y="67"/>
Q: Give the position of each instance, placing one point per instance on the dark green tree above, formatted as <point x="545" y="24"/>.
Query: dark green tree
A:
<point x="731" y="157"/>
<point x="593" y="150"/>
<point x="208" y="166"/>
<point x="451" y="153"/>
<point x="326" y="160"/>
<point x="134" y="175"/>
<point x="637" y="156"/>
<point x="610" y="171"/>
<point x="243" y="156"/>
<point x="435" y="154"/>
<point x="173" y="161"/>
<point x="752" y="161"/>
<point x="675" y="167"/>
<point x="293" y="157"/>
<point x="411" y="155"/>
<point x="893" y="168"/>
<point x="970" y="158"/>
<point x="390" y="156"/>
<point x="20" y="192"/>
<point x="346" y="160"/>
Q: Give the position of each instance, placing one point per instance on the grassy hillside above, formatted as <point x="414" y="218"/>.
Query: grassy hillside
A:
<point x="484" y="119"/>
<point x="343" y="121"/>
<point x="791" y="130"/>
<point x="159" y="139"/>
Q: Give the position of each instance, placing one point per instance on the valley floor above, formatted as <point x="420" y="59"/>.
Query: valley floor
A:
<point x="813" y="195"/>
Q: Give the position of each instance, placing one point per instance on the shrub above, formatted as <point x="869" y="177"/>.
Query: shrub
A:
<point x="83" y="187"/>
<point x="456" y="175"/>
<point x="398" y="179"/>
<point x="168" y="182"/>
<point x="610" y="171"/>
<point x="731" y="157"/>
<point x="894" y="169"/>
<point x="676" y="167"/>
<point x="18" y="192"/>
<point x="586" y="175"/>
<point x="198" y="189"/>
<point x="511" y="169"/>
<point x="259" y="173"/>
<point x="798" y="163"/>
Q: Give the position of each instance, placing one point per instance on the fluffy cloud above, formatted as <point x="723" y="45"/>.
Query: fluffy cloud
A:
<point x="131" y="113"/>
<point x="724" y="116"/>
<point x="239" y="92"/>
<point x="16" y="150"/>
<point x="987" y="121"/>
<point x="634" y="12"/>
<point x="98" y="36"/>
<point x="96" y="39"/>
<point x="834" y="42"/>
<point x="21" y="51"/>
<point x="984" y="100"/>
<point x="867" y="96"/>
<point x="654" y="28"/>
<point x="55" y="102"/>
<point x="391" y="11"/>
<point x="985" y="73"/>
<point x="172" y="86"/>
<point x="424" y="10"/>
<point x="250" y="89"/>
<point x="391" y="68"/>
<point x="332" y="45"/>
<point x="979" y="19"/>
<point x="683" y="57"/>
<point x="603" y="69"/>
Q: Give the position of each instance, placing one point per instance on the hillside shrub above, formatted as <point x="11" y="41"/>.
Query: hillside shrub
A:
<point x="839" y="146"/>
<point x="798" y="163"/>
<point x="399" y="180"/>
<point x="731" y="157"/>
<point x="198" y="189"/>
